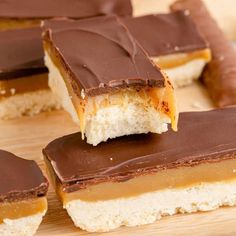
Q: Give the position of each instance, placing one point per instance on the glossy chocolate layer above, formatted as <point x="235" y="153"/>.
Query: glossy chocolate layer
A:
<point x="220" y="74"/>
<point x="21" y="53"/>
<point x="164" y="34"/>
<point x="100" y="55"/>
<point x="63" y="8"/>
<point x="202" y="137"/>
<point x="20" y="179"/>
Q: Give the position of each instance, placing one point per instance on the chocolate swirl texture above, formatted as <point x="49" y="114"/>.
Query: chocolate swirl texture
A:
<point x="100" y="55"/>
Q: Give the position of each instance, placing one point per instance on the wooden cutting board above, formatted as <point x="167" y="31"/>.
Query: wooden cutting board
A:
<point x="27" y="136"/>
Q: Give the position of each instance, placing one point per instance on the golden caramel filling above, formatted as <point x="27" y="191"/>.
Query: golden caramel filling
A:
<point x="6" y="24"/>
<point x="162" y="99"/>
<point x="23" y="85"/>
<point x="165" y="179"/>
<point x="15" y="210"/>
<point x="179" y="59"/>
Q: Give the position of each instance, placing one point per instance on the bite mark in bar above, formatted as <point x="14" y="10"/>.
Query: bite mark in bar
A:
<point x="105" y="80"/>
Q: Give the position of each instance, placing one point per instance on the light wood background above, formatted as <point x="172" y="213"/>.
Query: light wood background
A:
<point x="27" y="136"/>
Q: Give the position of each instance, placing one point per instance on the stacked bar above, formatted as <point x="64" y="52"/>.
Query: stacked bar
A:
<point x="174" y="43"/>
<point x="23" y="190"/>
<point x="138" y="179"/>
<point x="220" y="74"/>
<point x="30" y="12"/>
<point x="23" y="77"/>
<point x="105" y="80"/>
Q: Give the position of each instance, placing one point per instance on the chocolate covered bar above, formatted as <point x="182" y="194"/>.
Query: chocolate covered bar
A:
<point x="23" y="190"/>
<point x="23" y="77"/>
<point x="105" y="80"/>
<point x="174" y="43"/>
<point x="220" y="74"/>
<point x="136" y="180"/>
<point x="30" y="12"/>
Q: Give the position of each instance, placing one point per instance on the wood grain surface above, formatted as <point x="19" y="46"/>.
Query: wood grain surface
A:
<point x="27" y="136"/>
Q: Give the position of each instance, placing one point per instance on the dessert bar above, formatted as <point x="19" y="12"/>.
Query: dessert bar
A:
<point x="220" y="74"/>
<point x="30" y="12"/>
<point x="23" y="190"/>
<point x="174" y="43"/>
<point x="137" y="179"/>
<point x="23" y="77"/>
<point x="105" y="80"/>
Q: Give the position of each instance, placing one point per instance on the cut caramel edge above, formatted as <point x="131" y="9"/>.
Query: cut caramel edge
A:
<point x="19" y="209"/>
<point x="179" y="59"/>
<point x="166" y="179"/>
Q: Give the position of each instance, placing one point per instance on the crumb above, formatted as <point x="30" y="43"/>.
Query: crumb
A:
<point x="13" y="91"/>
<point x="83" y="94"/>
<point x="186" y="12"/>
<point x="111" y="159"/>
<point x="2" y="92"/>
<point x="196" y="105"/>
<point x="176" y="48"/>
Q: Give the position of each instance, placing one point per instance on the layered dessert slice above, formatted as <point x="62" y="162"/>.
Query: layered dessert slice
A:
<point x="220" y="74"/>
<point x="105" y="80"/>
<point x="23" y="77"/>
<point x="23" y="190"/>
<point x="30" y="12"/>
<point x="137" y="179"/>
<point x="174" y="43"/>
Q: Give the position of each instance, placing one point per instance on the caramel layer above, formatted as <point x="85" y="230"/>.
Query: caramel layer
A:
<point x="179" y="59"/>
<point x="6" y="24"/>
<point x="15" y="210"/>
<point x="23" y="85"/>
<point x="166" y="179"/>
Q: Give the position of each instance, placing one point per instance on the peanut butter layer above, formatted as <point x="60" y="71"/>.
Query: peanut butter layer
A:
<point x="205" y="140"/>
<point x="167" y="179"/>
<point x="19" y="209"/>
<point x="179" y="59"/>
<point x="23" y="85"/>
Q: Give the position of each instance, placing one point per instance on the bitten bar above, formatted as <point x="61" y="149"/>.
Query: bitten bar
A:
<point x="105" y="80"/>
<point x="137" y="179"/>
<point x="220" y="74"/>
<point x="30" y="12"/>
<point x="23" y="76"/>
<point x="23" y="190"/>
<point x="174" y="43"/>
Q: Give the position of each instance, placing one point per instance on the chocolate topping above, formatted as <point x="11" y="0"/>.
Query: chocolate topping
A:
<point x="20" y="179"/>
<point x="202" y="137"/>
<point x="220" y="74"/>
<point x="63" y="8"/>
<point x="100" y="55"/>
<point x="21" y="53"/>
<point x="165" y="34"/>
